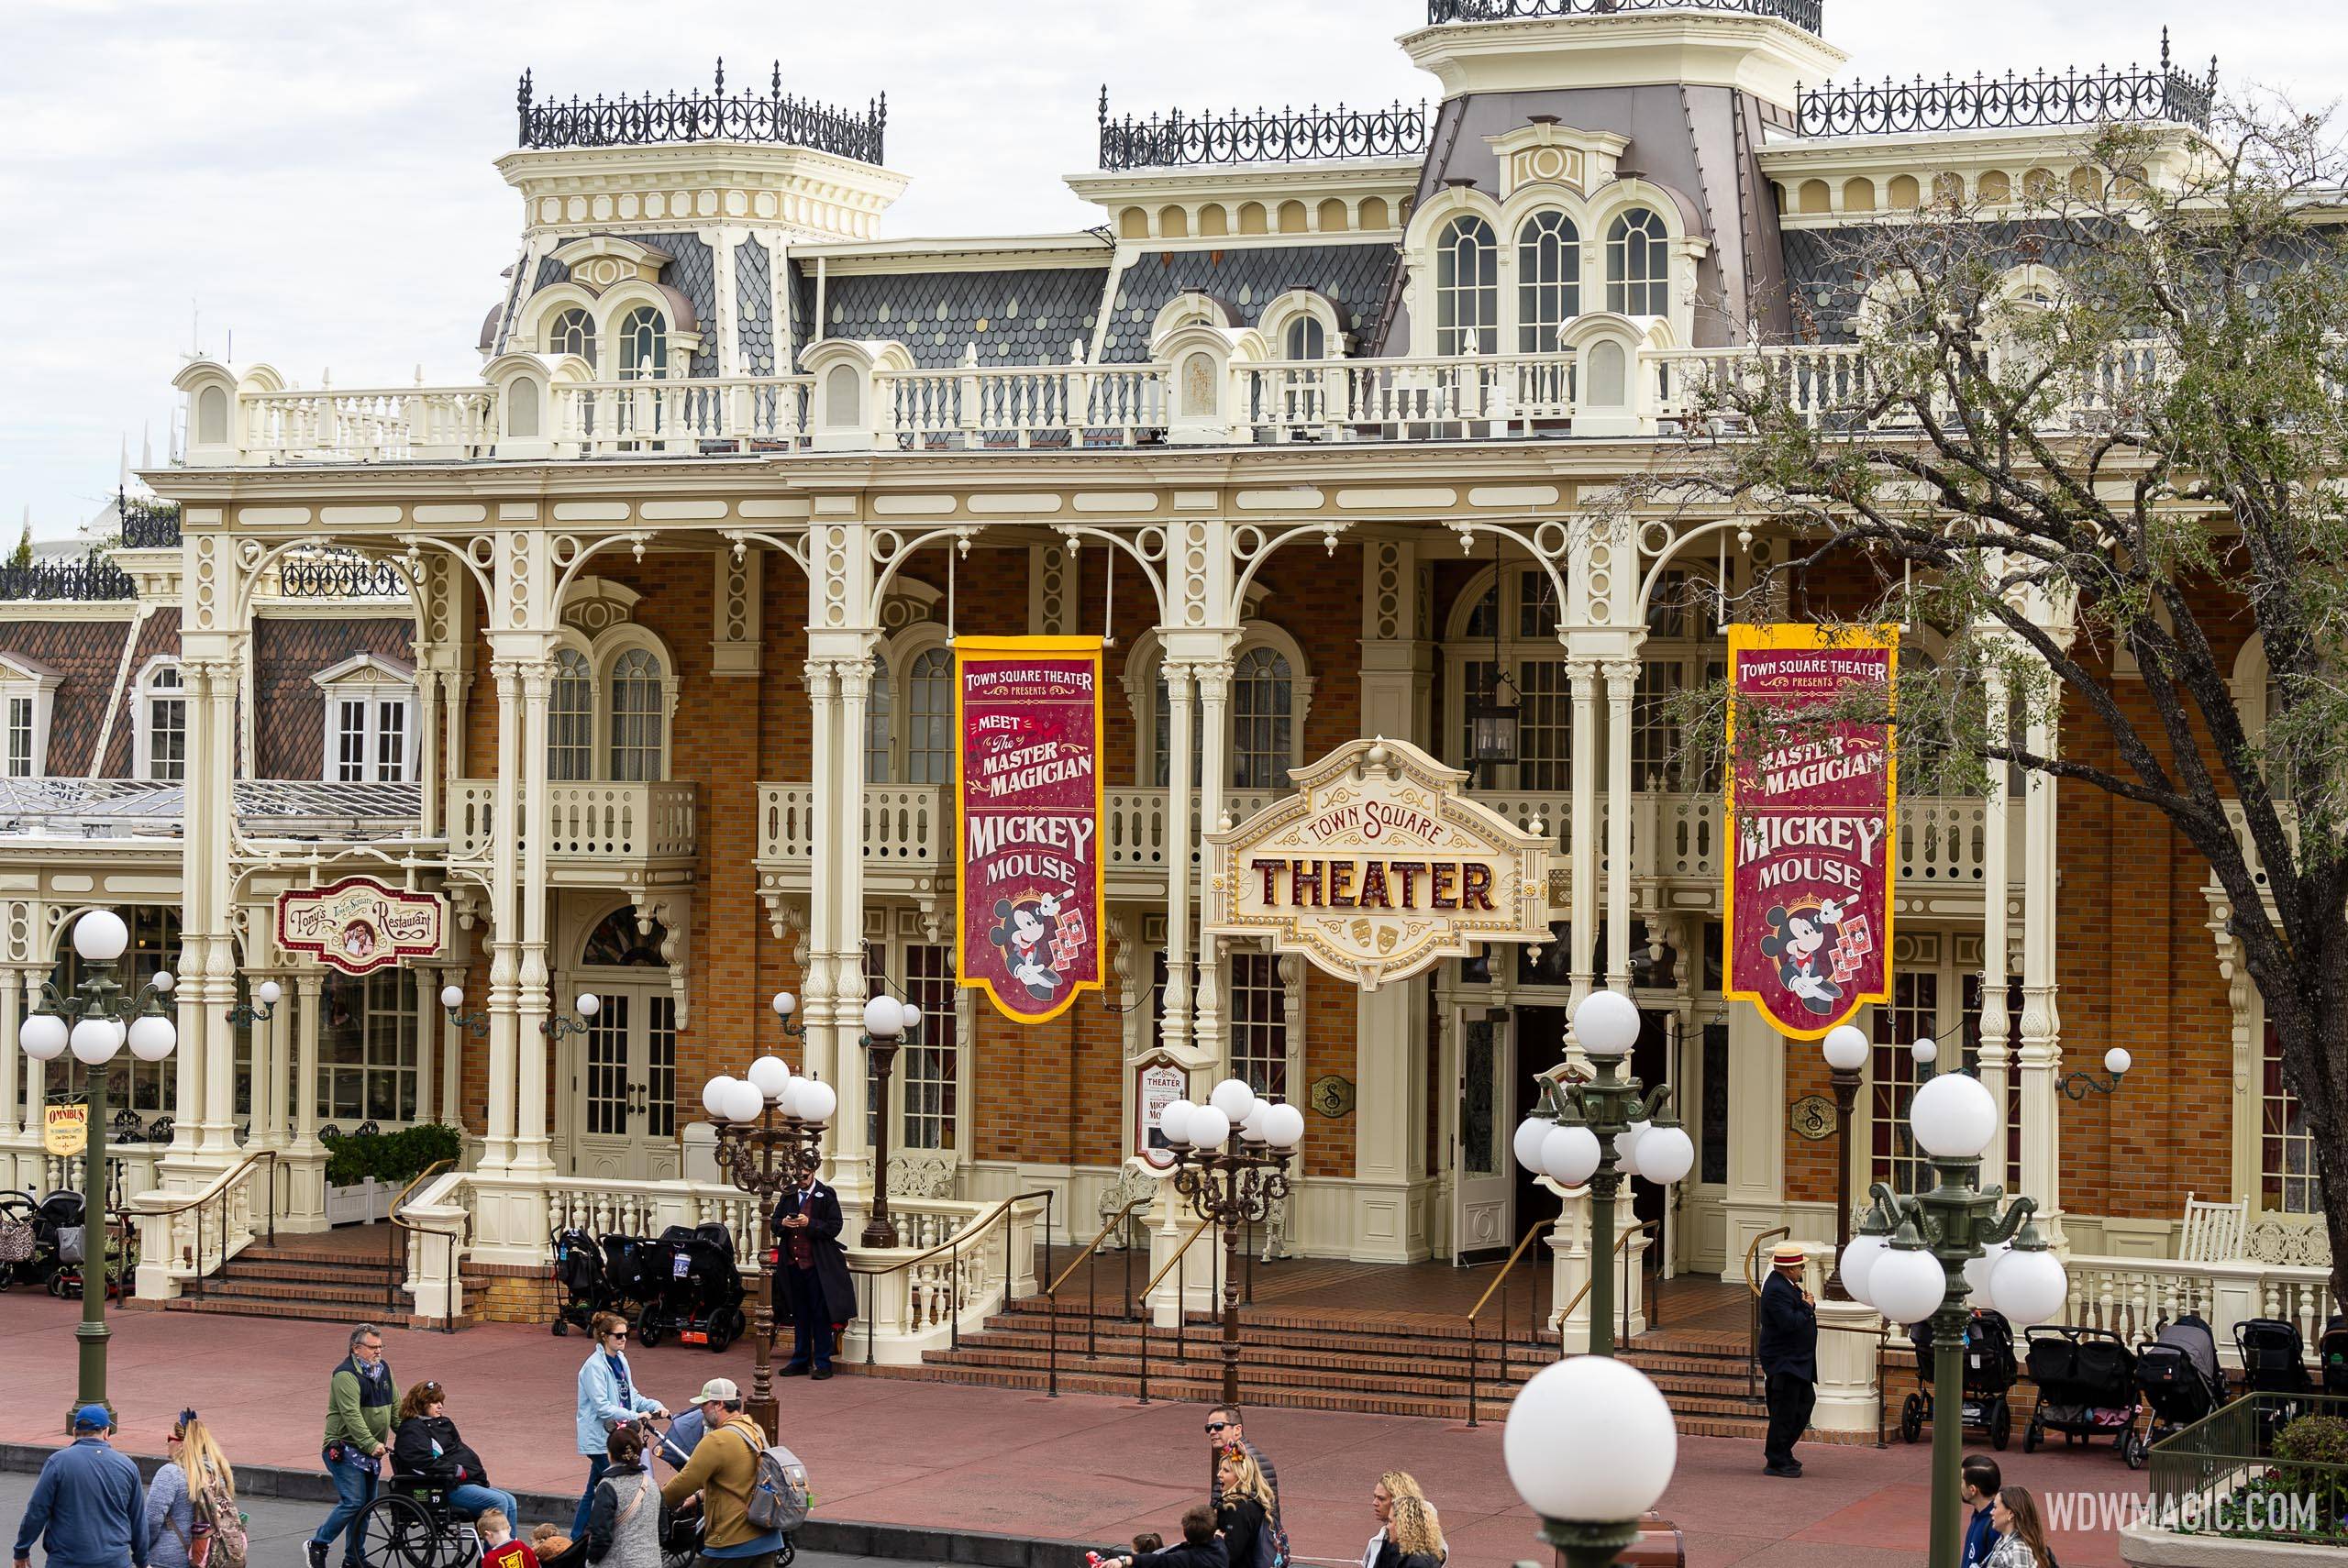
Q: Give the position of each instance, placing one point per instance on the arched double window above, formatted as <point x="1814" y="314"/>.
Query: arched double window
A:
<point x="638" y="703"/>
<point x="1467" y="288"/>
<point x="1264" y="714"/>
<point x="573" y="332"/>
<point x="1548" y="280"/>
<point x="644" y="345"/>
<point x="607" y="711"/>
<point x="1638" y="264"/>
<point x="1306" y="340"/>
<point x="920" y="750"/>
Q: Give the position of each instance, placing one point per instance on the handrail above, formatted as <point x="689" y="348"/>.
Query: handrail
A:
<point x="1752" y="1255"/>
<point x="1091" y="1307"/>
<point x="1752" y="1334"/>
<point x="1622" y="1244"/>
<point x="953" y="1246"/>
<point x="1181" y="1303"/>
<point x="220" y="1188"/>
<point x="400" y="1224"/>
<point x="1477" y="1311"/>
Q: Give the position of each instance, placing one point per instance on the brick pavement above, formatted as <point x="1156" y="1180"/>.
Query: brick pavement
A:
<point x="1078" y="1468"/>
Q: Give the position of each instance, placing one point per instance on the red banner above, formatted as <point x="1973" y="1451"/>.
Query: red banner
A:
<point x="1811" y="815"/>
<point x="1027" y="781"/>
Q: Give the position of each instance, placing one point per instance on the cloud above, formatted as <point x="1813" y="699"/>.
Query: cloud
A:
<point x="318" y="178"/>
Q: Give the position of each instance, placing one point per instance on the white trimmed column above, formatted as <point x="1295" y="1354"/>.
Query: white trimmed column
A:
<point x="208" y="774"/>
<point x="1996" y="1030"/>
<point x="305" y="1190"/>
<point x="816" y="989"/>
<point x="2042" y="1025"/>
<point x="1176" y="1032"/>
<point x="1208" y="1029"/>
<point x="1621" y="686"/>
<point x="532" y="1151"/>
<point x="505" y="971"/>
<point x="427" y="1038"/>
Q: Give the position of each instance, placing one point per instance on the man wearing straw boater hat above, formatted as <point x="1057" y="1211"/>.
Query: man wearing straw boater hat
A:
<point x="1788" y="1351"/>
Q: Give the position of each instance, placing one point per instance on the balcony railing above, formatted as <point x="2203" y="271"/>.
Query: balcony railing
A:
<point x="585" y="822"/>
<point x="743" y="412"/>
<point x="1985" y="103"/>
<point x="655" y="118"/>
<point x="1802" y="13"/>
<point x="371" y="427"/>
<point x="147" y="524"/>
<point x="1266" y="135"/>
<point x="1011" y="406"/>
<point x="94" y="578"/>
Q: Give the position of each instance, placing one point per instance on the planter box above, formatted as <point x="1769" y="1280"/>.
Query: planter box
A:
<point x="2143" y="1546"/>
<point x="361" y="1204"/>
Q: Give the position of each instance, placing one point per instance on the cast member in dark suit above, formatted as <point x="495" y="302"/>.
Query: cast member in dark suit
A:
<point x="814" y="1265"/>
<point x="1789" y="1351"/>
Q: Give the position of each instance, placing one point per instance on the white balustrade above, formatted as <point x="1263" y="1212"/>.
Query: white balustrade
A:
<point x="2134" y="1297"/>
<point x="370" y="426"/>
<point x="1409" y="398"/>
<point x="585" y="821"/>
<point x="682" y="413"/>
<point x="1014" y="406"/>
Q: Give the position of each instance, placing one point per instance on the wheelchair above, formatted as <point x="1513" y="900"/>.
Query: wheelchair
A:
<point x="411" y="1525"/>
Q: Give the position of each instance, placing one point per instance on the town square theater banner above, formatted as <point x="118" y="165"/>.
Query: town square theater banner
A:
<point x="1811" y="812"/>
<point x="1379" y="867"/>
<point x="1028" y="790"/>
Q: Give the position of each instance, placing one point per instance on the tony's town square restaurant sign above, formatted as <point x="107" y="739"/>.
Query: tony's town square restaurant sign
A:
<point x="357" y="925"/>
<point x="1378" y="867"/>
<point x="1028" y="792"/>
<point x="1811" y="816"/>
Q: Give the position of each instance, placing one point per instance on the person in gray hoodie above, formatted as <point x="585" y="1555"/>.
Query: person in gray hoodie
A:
<point x="624" y="1519"/>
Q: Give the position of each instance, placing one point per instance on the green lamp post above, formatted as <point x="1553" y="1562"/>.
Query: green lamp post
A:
<point x="96" y="1023"/>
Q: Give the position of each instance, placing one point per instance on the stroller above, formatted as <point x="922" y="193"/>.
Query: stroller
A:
<point x="635" y="1271"/>
<point x="121" y="1250"/>
<point x="18" y="1241"/>
<point x="2274" y="1361"/>
<point x="702" y="1302"/>
<point x="2178" y="1374"/>
<point x="1989" y="1372"/>
<point x="578" y="1270"/>
<point x="2086" y="1388"/>
<point x="2332" y="1351"/>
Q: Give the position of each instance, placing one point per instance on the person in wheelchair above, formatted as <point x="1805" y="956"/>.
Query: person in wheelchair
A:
<point x="428" y="1451"/>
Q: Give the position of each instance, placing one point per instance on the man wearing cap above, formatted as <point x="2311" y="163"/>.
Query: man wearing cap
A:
<point x="88" y="1508"/>
<point x="725" y="1470"/>
<point x="1788" y="1351"/>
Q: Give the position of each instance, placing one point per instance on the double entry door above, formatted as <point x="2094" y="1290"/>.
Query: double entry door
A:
<point x="625" y="1086"/>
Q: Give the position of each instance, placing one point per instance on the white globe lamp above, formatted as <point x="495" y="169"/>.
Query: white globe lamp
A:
<point x="1858" y="1261"/>
<point x="43" y="1037"/>
<point x="1569" y="1154"/>
<point x="884" y="1018"/>
<point x="771" y="1075"/>
<point x="452" y="996"/>
<point x="1906" y="1285"/>
<point x="100" y="936"/>
<point x="1954" y="1116"/>
<point x="152" y="1037"/>
<point x="1283" y="1126"/>
<point x="1175" y="1122"/>
<point x="1607" y="1024"/>
<point x="2117" y="1062"/>
<point x="1527" y="1141"/>
<point x="270" y="993"/>
<point x="1210" y="1127"/>
<point x="589" y="1004"/>
<point x="743" y="1100"/>
<point x="1980" y="1271"/>
<point x="1234" y="1098"/>
<point x="785" y="1004"/>
<point x="1846" y="1048"/>
<point x="713" y="1097"/>
<point x="1666" y="1155"/>
<point x="1590" y="1442"/>
<point x="1626" y="1147"/>
<point x="2029" y="1285"/>
<point x="95" y="1040"/>
<point x="817" y="1101"/>
<point x="1926" y="1051"/>
<point x="910" y="1017"/>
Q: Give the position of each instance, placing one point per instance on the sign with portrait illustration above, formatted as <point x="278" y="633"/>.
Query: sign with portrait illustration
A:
<point x="1378" y="867"/>
<point x="1027" y="789"/>
<point x="1811" y="803"/>
<point x="1158" y="1083"/>
<point x="357" y="925"/>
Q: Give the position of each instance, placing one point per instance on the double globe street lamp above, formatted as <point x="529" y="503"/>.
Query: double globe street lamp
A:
<point x="770" y="1125"/>
<point x="1231" y="1158"/>
<point x="95" y="1025"/>
<point x="1595" y="1134"/>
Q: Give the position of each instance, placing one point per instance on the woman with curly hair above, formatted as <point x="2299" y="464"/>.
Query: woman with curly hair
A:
<point x="1390" y="1488"/>
<point x="1412" y="1537"/>
<point x="1244" y="1512"/>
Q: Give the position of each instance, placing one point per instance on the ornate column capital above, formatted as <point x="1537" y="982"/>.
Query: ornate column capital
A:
<point x="1621" y="678"/>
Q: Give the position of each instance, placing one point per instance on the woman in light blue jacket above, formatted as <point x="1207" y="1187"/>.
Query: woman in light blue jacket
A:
<point x="608" y="1396"/>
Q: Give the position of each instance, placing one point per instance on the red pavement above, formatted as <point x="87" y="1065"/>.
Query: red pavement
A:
<point x="1078" y="1468"/>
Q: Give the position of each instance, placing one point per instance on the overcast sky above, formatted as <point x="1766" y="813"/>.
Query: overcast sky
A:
<point x="318" y="178"/>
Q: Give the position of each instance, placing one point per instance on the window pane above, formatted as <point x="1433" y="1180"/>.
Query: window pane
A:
<point x="636" y="702"/>
<point x="1638" y="266"/>
<point x="880" y="706"/>
<point x="366" y="1048"/>
<point x="1258" y="1009"/>
<point x="20" y="737"/>
<point x="1654" y="734"/>
<point x="573" y="333"/>
<point x="571" y="718"/>
<point x="1544" y="725"/>
<point x="607" y="1068"/>
<point x="660" y="1070"/>
<point x="167" y="736"/>
<point x="2287" y="1179"/>
<point x="929" y="751"/>
<point x="644" y="345"/>
<point x="1307" y="338"/>
<point x="1466" y="289"/>
<point x="1262" y="689"/>
<point x="930" y="1066"/>
<point x="1914" y="1013"/>
<point x="1548" y="281"/>
<point x="390" y="741"/>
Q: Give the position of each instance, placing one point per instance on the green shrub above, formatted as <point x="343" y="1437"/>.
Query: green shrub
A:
<point x="396" y="1158"/>
<point x="2311" y="1460"/>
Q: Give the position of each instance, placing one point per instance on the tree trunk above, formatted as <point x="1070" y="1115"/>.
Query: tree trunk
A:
<point x="2314" y="1040"/>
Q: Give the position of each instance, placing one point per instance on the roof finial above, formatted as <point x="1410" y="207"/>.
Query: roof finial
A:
<point x="720" y="91"/>
<point x="2163" y="51"/>
<point x="778" y="78"/>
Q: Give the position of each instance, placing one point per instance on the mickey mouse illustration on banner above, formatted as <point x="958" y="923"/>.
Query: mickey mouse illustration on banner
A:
<point x="1040" y="940"/>
<point x="1814" y="951"/>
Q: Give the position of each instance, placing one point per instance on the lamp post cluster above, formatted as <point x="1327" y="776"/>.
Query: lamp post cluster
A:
<point x="1231" y="1159"/>
<point x="96" y="1023"/>
<point x="770" y="1125"/>
<point x="1597" y="1133"/>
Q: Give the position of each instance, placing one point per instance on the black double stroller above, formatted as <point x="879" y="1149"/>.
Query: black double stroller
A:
<point x="2274" y="1361"/>
<point x="2179" y="1376"/>
<point x="701" y="1302"/>
<point x="1989" y="1373"/>
<point x="2086" y="1389"/>
<point x="579" y="1272"/>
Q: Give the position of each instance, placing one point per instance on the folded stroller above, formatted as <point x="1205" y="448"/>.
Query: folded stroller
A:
<point x="121" y="1255"/>
<point x="701" y="1304"/>
<point x="636" y="1269"/>
<point x="2332" y="1351"/>
<point x="579" y="1271"/>
<point x="2086" y="1388"/>
<point x="2178" y="1374"/>
<point x="19" y="1243"/>
<point x="2274" y="1361"/>
<point x="1989" y="1372"/>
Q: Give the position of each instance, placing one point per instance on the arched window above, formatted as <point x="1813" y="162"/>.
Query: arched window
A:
<point x="1548" y="281"/>
<point x="573" y="332"/>
<point x="571" y="718"/>
<point x="644" y="345"/>
<point x="1523" y="607"/>
<point x="1638" y="265"/>
<point x="1466" y="288"/>
<point x="880" y="707"/>
<point x="1262" y="699"/>
<point x="638" y="696"/>
<point x="1307" y="338"/>
<point x="162" y="713"/>
<point x="929" y="722"/>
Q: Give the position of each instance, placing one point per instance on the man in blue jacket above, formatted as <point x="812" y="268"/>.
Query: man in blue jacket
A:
<point x="1982" y="1481"/>
<point x="88" y="1508"/>
<point x="1789" y="1351"/>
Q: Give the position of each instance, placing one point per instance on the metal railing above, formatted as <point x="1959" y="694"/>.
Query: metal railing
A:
<point x="1804" y="14"/>
<point x="1753" y="1284"/>
<point x="1623" y="1328"/>
<point x="698" y="116"/>
<point x="951" y="1249"/>
<point x="2228" y="1456"/>
<point x="1285" y="134"/>
<point x="147" y="524"/>
<point x="341" y="577"/>
<point x="1092" y="1300"/>
<point x="1182" y="1272"/>
<point x="220" y="1192"/>
<point x="2073" y="98"/>
<point x="1476" y="1312"/>
<point x="94" y="578"/>
<point x="403" y="1227"/>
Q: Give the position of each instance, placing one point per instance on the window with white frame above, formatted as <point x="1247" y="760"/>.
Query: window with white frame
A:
<point x="1256" y="1001"/>
<point x="1307" y="340"/>
<point x="370" y="721"/>
<point x="1263" y="713"/>
<point x="163" y="724"/>
<point x="1638" y="264"/>
<point x="152" y="1086"/>
<point x="1162" y="737"/>
<point x="2286" y="1173"/>
<point x="928" y="1076"/>
<point x="929" y="717"/>
<point x="880" y="714"/>
<point x="573" y="332"/>
<point x="1522" y="604"/>
<point x="1548" y="280"/>
<point x="1914" y="1014"/>
<point x="1466" y="288"/>
<point x="644" y="345"/>
<point x="367" y="1062"/>
<point x="570" y="718"/>
<point x="639" y="708"/>
<point x="21" y="756"/>
<point x="1680" y="654"/>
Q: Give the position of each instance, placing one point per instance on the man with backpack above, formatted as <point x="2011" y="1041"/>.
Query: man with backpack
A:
<point x="725" y="1470"/>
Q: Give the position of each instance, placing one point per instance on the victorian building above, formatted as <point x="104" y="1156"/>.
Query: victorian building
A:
<point x="637" y="649"/>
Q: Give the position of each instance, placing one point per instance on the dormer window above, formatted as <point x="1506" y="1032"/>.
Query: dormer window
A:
<point x="1307" y="340"/>
<point x="1638" y="265"/>
<point x="644" y="345"/>
<point x="573" y="332"/>
<point x="1548" y="280"/>
<point x="159" y="711"/>
<point x="370" y="721"/>
<point x="1468" y="289"/>
<point x="28" y="692"/>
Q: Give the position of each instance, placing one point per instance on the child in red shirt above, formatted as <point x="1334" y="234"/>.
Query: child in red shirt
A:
<point x="498" y="1547"/>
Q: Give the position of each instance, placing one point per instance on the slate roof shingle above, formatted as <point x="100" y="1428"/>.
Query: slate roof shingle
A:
<point x="1016" y="316"/>
<point x="1354" y="277"/>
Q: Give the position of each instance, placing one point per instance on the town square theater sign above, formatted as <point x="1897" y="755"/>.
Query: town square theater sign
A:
<point x="1378" y="867"/>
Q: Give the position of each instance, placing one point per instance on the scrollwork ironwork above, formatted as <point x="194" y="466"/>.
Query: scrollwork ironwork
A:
<point x="94" y="578"/>
<point x="346" y="577"/>
<point x="2074" y="98"/>
<point x="1266" y="135"/>
<point x="1803" y="14"/>
<point x="771" y="116"/>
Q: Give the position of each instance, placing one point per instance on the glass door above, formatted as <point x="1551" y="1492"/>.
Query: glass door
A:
<point x="627" y="1087"/>
<point x="1484" y="1184"/>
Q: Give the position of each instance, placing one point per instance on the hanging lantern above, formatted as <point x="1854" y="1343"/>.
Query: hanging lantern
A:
<point x="1492" y="725"/>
